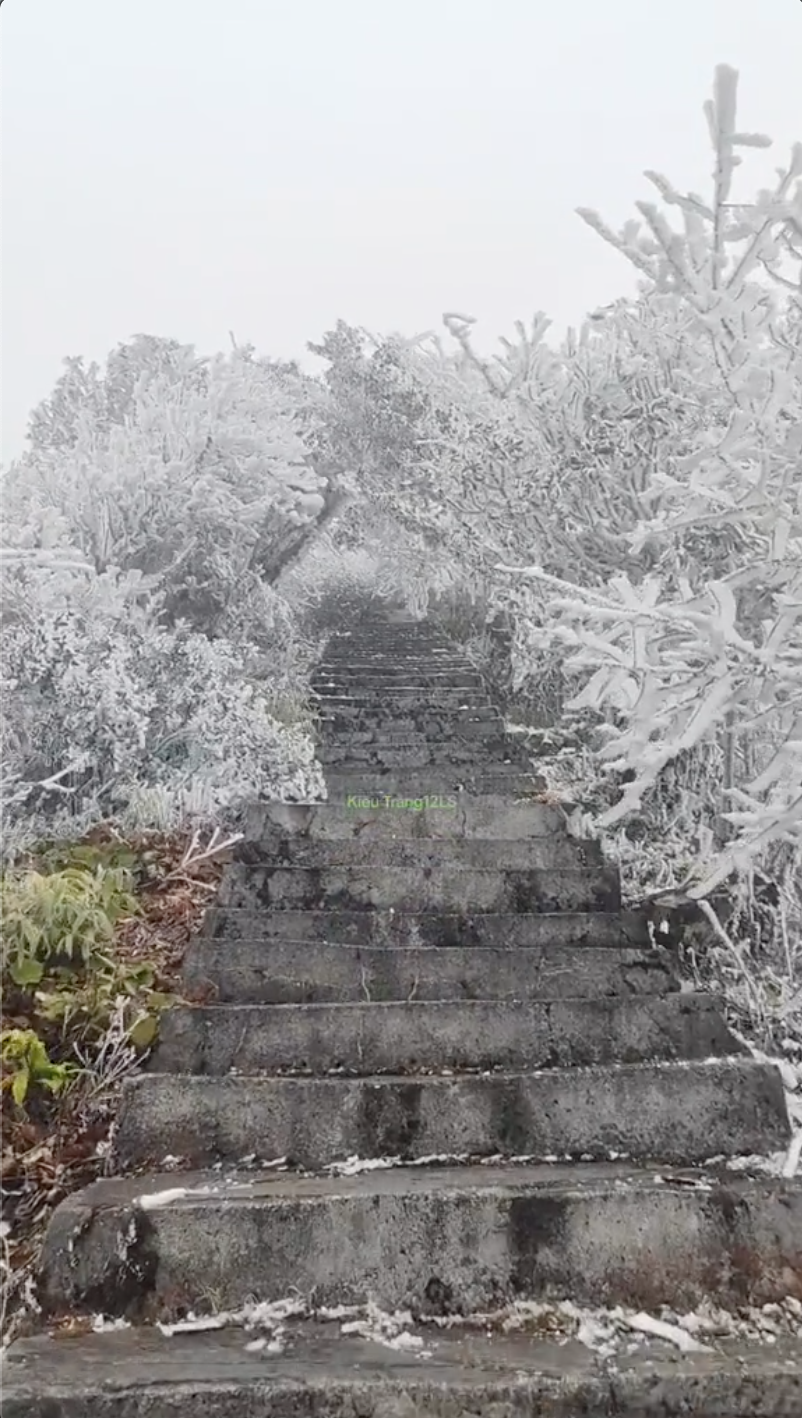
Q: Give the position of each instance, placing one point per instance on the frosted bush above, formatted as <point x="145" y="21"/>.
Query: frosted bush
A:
<point x="685" y="628"/>
<point x="110" y="709"/>
<point x="145" y="646"/>
<point x="192" y="471"/>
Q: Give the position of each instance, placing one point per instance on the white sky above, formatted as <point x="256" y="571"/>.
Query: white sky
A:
<point x="187" y="167"/>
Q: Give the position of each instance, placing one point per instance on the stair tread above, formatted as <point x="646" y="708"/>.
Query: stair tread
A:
<point x="433" y="818"/>
<point x="466" y="1236"/>
<point x="323" y="1371"/>
<point x="739" y="1064"/>
<point x="447" y="929"/>
<point x="446" y="887"/>
<point x="388" y="1036"/>
<point x="684" y="1001"/>
<point x="486" y="854"/>
<point x="409" y="871"/>
<point x="235" y="1187"/>
<point x="287" y="970"/>
<point x="713" y="1107"/>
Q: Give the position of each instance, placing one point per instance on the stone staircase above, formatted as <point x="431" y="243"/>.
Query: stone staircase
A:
<point x="426" y="968"/>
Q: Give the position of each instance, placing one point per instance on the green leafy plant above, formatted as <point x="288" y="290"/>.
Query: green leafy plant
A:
<point x="58" y="932"/>
<point x="83" y="1007"/>
<point x="26" y="1064"/>
<point x="63" y="917"/>
<point x="55" y="856"/>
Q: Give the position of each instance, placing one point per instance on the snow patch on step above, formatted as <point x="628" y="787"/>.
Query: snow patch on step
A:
<point x="774" y="1164"/>
<point x="608" y="1332"/>
<point x="791" y="1073"/>
<point x="352" y="1166"/>
<point x="155" y="1201"/>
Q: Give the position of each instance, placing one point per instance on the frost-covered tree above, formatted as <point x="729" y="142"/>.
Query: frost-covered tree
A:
<point x="696" y="637"/>
<point x="143" y="532"/>
<point x="438" y="463"/>
<point x="192" y="471"/>
<point x="650" y="468"/>
<point x="108" y="711"/>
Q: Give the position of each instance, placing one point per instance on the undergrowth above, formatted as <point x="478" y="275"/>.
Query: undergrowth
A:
<point x="94" y="933"/>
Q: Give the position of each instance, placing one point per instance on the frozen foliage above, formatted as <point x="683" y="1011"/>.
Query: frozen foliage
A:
<point x="142" y="532"/>
<point x="193" y="472"/>
<point x="697" y="635"/>
<point x="112" y="712"/>
<point x="438" y="454"/>
<point x="626" y="512"/>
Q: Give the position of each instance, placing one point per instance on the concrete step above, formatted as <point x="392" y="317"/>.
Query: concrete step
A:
<point x="392" y="652"/>
<point x="370" y="712"/>
<point x="362" y="712"/>
<point x="398" y="635"/>
<point x="369" y="660"/>
<point x="315" y="972"/>
<point x="422" y="751"/>
<point x="677" y="1113"/>
<point x="432" y="724"/>
<point x="447" y="889"/>
<point x="392" y="637"/>
<point x="417" y="755"/>
<point x="438" y="673"/>
<point x="413" y="657"/>
<point x="486" y="743"/>
<point x="517" y="930"/>
<point x="511" y="780"/>
<point x="558" y="853"/>
<point x="365" y="701"/>
<point x="439" y="1241"/>
<point x="379" y="681"/>
<point x="419" y="663"/>
<point x="389" y="694"/>
<point x="410" y="672"/>
<point x="455" y="1373"/>
<point x="392" y="645"/>
<point x="451" y="817"/>
<point x="429" y="1036"/>
<point x="423" y="663"/>
<point x="472" y="737"/>
<point x="391" y="729"/>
